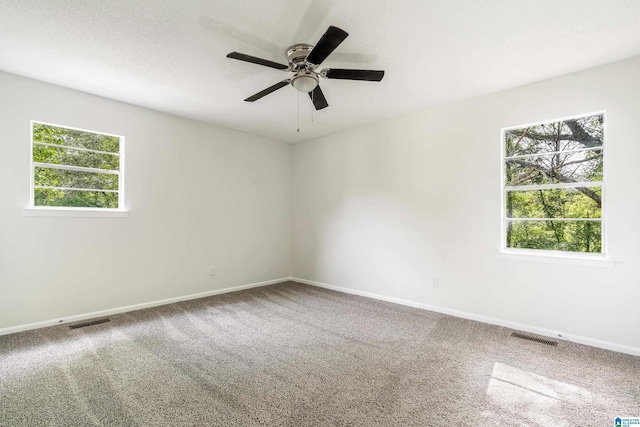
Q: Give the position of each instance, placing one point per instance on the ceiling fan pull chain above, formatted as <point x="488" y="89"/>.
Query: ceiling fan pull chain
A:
<point x="298" y="112"/>
<point x="313" y="104"/>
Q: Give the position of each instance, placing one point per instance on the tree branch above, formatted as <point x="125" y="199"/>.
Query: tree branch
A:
<point x="578" y="134"/>
<point x="555" y="174"/>
<point x="581" y="135"/>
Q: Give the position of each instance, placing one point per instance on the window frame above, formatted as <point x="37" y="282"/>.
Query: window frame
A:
<point x="554" y="256"/>
<point x="73" y="211"/>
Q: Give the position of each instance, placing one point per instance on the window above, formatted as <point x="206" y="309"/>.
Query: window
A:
<point x="75" y="169"/>
<point x="554" y="185"/>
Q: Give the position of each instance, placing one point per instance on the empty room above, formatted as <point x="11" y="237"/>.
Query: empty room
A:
<point x="320" y="213"/>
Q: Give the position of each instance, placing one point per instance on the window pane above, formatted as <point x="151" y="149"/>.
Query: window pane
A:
<point x="63" y="178"/>
<point x="65" y="156"/>
<point x="80" y="199"/>
<point x="554" y="168"/>
<point x="581" y="202"/>
<point x="584" y="132"/>
<point x="75" y="138"/>
<point x="574" y="236"/>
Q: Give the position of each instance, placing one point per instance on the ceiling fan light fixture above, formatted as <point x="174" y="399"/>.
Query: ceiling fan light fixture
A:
<point x="305" y="82"/>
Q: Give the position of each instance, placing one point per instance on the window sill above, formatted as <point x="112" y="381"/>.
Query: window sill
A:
<point x="560" y="258"/>
<point x="76" y="212"/>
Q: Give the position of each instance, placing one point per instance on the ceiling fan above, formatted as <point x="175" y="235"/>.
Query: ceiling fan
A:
<point x="303" y="60"/>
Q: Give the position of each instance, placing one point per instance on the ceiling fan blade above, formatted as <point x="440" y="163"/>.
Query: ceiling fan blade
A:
<point x="268" y="90"/>
<point x="327" y="44"/>
<point x="319" y="101"/>
<point x="368" y="75"/>
<point x="255" y="60"/>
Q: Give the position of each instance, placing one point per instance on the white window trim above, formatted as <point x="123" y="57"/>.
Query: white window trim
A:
<point x="554" y="219"/>
<point x="548" y="153"/>
<point x="75" y="212"/>
<point x="555" y="257"/>
<point x="75" y="168"/>
<point x="91" y="190"/>
<point x="552" y="186"/>
<point x="59" y="211"/>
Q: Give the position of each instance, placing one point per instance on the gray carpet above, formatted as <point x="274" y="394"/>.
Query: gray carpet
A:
<point x="296" y="355"/>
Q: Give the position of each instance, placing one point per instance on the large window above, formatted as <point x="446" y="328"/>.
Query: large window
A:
<point x="554" y="184"/>
<point x="75" y="169"/>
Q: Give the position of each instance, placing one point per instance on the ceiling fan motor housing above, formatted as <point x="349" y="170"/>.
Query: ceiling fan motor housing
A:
<point x="297" y="54"/>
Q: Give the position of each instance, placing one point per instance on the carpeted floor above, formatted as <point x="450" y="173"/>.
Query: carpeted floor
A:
<point x="296" y="355"/>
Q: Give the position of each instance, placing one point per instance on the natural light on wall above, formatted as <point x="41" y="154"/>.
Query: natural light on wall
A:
<point x="553" y="186"/>
<point x="73" y="169"/>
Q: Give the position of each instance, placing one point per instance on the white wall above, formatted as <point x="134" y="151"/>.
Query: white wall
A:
<point x="199" y="195"/>
<point x="381" y="209"/>
<point x="386" y="208"/>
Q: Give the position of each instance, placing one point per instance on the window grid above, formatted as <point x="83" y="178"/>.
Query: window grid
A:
<point x="600" y="184"/>
<point x="90" y="170"/>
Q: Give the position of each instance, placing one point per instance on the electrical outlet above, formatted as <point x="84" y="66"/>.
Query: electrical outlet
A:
<point x="434" y="282"/>
<point x="212" y="270"/>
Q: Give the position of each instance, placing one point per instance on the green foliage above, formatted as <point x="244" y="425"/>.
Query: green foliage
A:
<point x="67" y="198"/>
<point x="75" y="138"/>
<point x="65" y="156"/>
<point x="554" y="203"/>
<point x="74" y="179"/>
<point x="548" y="161"/>
<point x="71" y="153"/>
<point x="572" y="236"/>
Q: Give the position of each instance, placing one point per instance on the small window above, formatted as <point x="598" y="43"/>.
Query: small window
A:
<point x="78" y="169"/>
<point x="554" y="185"/>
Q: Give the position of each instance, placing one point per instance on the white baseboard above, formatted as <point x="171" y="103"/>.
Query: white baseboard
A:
<point x="635" y="351"/>
<point x="112" y="311"/>
<point x="621" y="348"/>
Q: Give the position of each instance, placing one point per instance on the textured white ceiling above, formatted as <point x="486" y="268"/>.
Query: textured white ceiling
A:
<point x="170" y="55"/>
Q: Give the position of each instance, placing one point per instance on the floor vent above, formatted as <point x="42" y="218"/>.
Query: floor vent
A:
<point x="89" y="323"/>
<point x="534" y="339"/>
